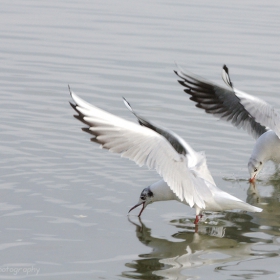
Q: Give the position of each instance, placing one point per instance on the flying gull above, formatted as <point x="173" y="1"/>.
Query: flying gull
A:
<point x="243" y="110"/>
<point x="185" y="174"/>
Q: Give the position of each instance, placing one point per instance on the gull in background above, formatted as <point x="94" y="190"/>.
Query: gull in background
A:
<point x="185" y="174"/>
<point x="254" y="115"/>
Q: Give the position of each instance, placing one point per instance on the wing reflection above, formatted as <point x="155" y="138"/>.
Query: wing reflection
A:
<point x="207" y="245"/>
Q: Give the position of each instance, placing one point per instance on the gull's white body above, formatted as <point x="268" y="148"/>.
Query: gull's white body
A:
<point x="241" y="109"/>
<point x="186" y="177"/>
<point x="267" y="147"/>
<point x="214" y="198"/>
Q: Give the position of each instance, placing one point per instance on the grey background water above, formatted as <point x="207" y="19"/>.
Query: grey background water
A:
<point x="64" y="201"/>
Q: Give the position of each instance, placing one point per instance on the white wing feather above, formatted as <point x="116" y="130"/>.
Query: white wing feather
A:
<point x="261" y="111"/>
<point x="142" y="145"/>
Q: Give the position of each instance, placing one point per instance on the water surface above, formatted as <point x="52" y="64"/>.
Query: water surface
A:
<point x="64" y="201"/>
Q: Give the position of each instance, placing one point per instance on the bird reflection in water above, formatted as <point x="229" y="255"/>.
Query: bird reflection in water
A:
<point x="194" y="247"/>
<point x="266" y="192"/>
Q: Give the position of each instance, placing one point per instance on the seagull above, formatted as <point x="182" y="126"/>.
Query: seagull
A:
<point x="243" y="110"/>
<point x="184" y="172"/>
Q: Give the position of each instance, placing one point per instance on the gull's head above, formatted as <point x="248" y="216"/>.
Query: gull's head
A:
<point x="146" y="197"/>
<point x="254" y="167"/>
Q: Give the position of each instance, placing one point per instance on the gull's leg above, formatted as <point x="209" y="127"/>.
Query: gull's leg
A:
<point x="197" y="218"/>
<point x="198" y="215"/>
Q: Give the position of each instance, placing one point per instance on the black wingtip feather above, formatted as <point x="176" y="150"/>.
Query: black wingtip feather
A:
<point x="188" y="91"/>
<point x="87" y="130"/>
<point x="227" y="71"/>
<point x="73" y="106"/>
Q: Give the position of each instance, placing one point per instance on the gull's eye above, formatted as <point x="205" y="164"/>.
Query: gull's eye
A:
<point x="255" y="169"/>
<point x="260" y="163"/>
<point x="142" y="197"/>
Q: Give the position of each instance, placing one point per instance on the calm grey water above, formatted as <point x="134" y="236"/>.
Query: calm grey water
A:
<point x="64" y="201"/>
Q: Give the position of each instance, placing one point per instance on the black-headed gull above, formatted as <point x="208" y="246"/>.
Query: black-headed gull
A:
<point x="185" y="174"/>
<point x="241" y="109"/>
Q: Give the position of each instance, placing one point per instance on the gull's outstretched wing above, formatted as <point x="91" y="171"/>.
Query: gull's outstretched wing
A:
<point x="196" y="161"/>
<point x="142" y="145"/>
<point x="262" y="112"/>
<point x="174" y="139"/>
<point x="223" y="103"/>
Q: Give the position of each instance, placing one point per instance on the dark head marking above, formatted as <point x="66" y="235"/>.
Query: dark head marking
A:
<point x="146" y="193"/>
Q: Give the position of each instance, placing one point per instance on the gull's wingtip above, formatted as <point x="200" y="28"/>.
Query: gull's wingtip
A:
<point x="124" y="100"/>
<point x="72" y="94"/>
<point x="127" y="104"/>
<point x="72" y="105"/>
<point x="225" y="68"/>
<point x="179" y="68"/>
<point x="70" y="91"/>
<point x="226" y="77"/>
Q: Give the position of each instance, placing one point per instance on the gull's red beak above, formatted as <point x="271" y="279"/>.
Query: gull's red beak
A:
<point x="252" y="180"/>
<point x="138" y="204"/>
